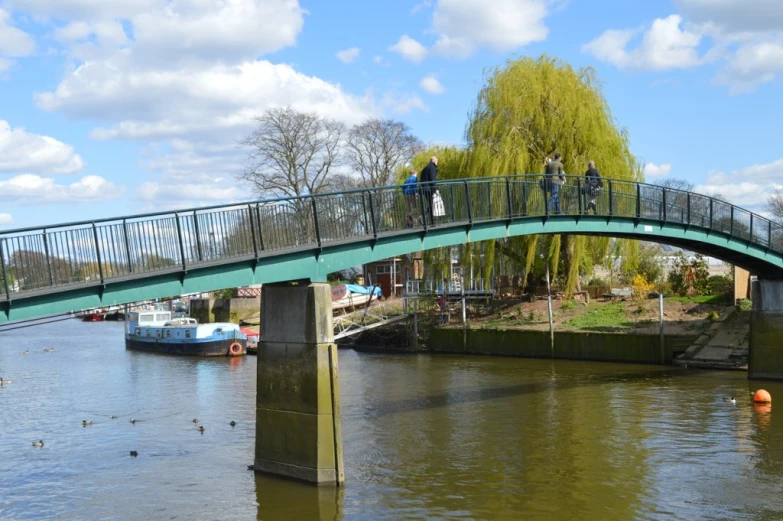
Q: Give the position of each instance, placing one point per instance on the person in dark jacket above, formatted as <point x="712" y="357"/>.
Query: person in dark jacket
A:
<point x="555" y="178"/>
<point x="592" y="188"/>
<point x="427" y="179"/>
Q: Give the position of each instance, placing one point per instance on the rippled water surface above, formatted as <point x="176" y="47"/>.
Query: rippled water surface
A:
<point x="432" y="437"/>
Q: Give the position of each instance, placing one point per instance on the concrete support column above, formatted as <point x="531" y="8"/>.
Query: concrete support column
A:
<point x="297" y="402"/>
<point x="766" y="331"/>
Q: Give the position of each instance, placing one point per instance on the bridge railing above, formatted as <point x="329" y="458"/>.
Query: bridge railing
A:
<point x="45" y="259"/>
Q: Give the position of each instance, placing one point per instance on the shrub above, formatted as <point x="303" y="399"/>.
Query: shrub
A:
<point x="712" y="316"/>
<point x="720" y="284"/>
<point x="597" y="282"/>
<point x="744" y="304"/>
<point x="641" y="287"/>
<point x="689" y="277"/>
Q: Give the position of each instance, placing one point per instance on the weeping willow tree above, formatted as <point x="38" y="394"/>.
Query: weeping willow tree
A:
<point x="528" y="110"/>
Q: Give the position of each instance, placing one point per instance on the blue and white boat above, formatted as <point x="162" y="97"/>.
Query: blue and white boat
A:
<point x="156" y="331"/>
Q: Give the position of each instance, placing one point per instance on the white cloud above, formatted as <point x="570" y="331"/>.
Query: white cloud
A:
<point x="222" y="190"/>
<point x="31" y="189"/>
<point x="464" y="26"/>
<point x="653" y="170"/>
<point x="735" y="16"/>
<point x="753" y="64"/>
<point x="348" y="55"/>
<point x="418" y="7"/>
<point x="747" y="187"/>
<point x="6" y="219"/>
<point x="664" y="45"/>
<point x="14" y="42"/>
<point x="22" y="151"/>
<point x="410" y="49"/>
<point x="185" y="101"/>
<point x="403" y="104"/>
<point x="432" y="85"/>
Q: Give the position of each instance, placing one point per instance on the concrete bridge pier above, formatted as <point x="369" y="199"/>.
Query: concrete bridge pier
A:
<point x="297" y="402"/>
<point x="766" y="331"/>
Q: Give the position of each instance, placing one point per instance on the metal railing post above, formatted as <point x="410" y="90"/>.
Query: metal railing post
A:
<point x="48" y="262"/>
<point x="127" y="245"/>
<point x="769" y="234"/>
<point x="663" y="200"/>
<point x="467" y="202"/>
<point x="253" y="231"/>
<point x="524" y="198"/>
<point x="611" y="199"/>
<point x="5" y="275"/>
<point x="710" y="213"/>
<point x="181" y="245"/>
<point x="731" y="222"/>
<point x="261" y="246"/>
<point x="688" y="203"/>
<point x="372" y="215"/>
<point x="198" y="239"/>
<point x="98" y="252"/>
<point x="315" y="221"/>
<point x="508" y="198"/>
<point x="638" y="201"/>
<point x="579" y="194"/>
<point x="751" y="227"/>
<point x="422" y="195"/>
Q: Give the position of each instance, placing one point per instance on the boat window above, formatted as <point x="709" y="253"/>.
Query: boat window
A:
<point x="148" y="332"/>
<point x="168" y="333"/>
<point x="187" y="333"/>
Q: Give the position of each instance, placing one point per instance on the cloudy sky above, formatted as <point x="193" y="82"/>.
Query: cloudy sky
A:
<point x="109" y="107"/>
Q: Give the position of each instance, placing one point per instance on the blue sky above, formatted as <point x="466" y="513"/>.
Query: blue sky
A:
<point x="110" y="108"/>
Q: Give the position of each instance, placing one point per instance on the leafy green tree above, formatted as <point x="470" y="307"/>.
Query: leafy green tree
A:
<point x="690" y="276"/>
<point x="528" y="110"/>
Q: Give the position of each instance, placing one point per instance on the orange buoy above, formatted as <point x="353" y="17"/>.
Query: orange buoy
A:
<point x="235" y="349"/>
<point x="762" y="396"/>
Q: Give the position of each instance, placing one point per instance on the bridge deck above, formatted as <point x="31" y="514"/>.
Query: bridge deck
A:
<point x="73" y="266"/>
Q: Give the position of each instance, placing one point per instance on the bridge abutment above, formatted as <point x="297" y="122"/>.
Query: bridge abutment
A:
<point x="766" y="331"/>
<point x="297" y="402"/>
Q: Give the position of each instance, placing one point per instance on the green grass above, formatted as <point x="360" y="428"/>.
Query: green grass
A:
<point x="702" y="299"/>
<point x="610" y="316"/>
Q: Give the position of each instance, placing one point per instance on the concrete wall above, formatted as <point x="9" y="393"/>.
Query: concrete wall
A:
<point x="766" y="331"/>
<point x="224" y="310"/>
<point x="602" y="347"/>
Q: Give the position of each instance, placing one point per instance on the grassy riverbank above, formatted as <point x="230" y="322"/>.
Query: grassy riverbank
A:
<point x="682" y="315"/>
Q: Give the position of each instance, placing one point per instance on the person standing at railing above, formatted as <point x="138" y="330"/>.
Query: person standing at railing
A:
<point x="427" y="184"/>
<point x="409" y="189"/>
<point x="555" y="178"/>
<point x="592" y="187"/>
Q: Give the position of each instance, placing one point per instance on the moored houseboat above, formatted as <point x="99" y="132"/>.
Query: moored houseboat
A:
<point x="157" y="332"/>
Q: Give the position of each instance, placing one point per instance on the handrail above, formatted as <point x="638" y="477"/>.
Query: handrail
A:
<point x="38" y="259"/>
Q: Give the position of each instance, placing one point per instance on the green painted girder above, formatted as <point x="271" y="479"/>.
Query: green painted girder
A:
<point x="315" y="264"/>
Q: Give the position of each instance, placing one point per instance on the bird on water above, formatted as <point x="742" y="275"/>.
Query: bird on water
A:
<point x="133" y="421"/>
<point x="134" y="453"/>
<point x="3" y="381"/>
<point x="233" y="423"/>
<point x="195" y="420"/>
<point x="25" y="352"/>
<point x="730" y="400"/>
<point x="201" y="429"/>
<point x="38" y="443"/>
<point x="86" y="423"/>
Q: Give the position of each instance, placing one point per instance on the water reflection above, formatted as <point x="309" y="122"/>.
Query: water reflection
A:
<point x="424" y="437"/>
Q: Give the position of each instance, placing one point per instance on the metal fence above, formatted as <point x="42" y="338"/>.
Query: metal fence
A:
<point x="42" y="259"/>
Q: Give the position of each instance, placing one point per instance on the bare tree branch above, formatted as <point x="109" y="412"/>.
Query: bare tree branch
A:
<point x="377" y="146"/>
<point x="292" y="153"/>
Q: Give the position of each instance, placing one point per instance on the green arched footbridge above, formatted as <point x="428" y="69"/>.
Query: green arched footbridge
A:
<point x="67" y="267"/>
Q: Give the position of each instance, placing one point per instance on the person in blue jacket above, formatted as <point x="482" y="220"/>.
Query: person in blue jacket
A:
<point x="409" y="188"/>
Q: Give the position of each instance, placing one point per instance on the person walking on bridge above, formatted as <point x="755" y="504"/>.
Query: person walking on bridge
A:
<point x="427" y="183"/>
<point x="409" y="189"/>
<point x="592" y="187"/>
<point x="555" y="178"/>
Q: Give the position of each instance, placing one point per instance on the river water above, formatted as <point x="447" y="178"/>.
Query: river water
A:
<point x="425" y="437"/>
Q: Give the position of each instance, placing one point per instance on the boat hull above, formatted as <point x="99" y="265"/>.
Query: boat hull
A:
<point x="207" y="348"/>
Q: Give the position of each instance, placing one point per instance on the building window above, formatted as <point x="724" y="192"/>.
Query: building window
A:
<point x="386" y="269"/>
